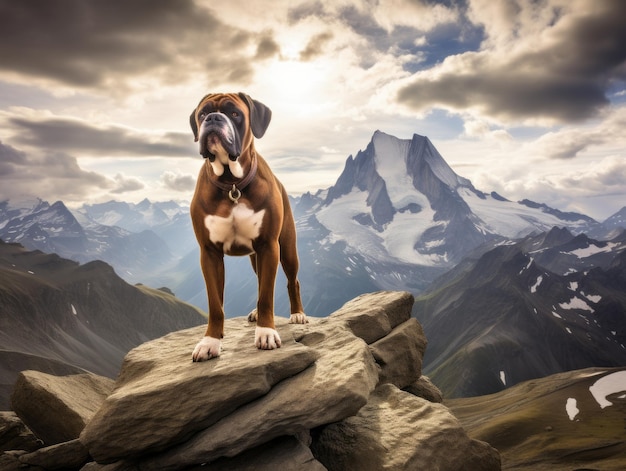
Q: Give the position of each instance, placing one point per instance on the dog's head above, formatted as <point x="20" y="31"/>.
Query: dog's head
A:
<point x="225" y="124"/>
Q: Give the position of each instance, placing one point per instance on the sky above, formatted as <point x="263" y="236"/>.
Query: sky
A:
<point x="523" y="97"/>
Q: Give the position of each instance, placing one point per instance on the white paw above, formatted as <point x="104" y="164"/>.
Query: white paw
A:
<point x="298" y="318"/>
<point x="266" y="338"/>
<point x="252" y="316"/>
<point x="207" y="348"/>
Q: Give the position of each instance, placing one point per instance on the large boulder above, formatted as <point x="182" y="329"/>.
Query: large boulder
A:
<point x="323" y="373"/>
<point x="335" y="387"/>
<point x="396" y="430"/>
<point x="57" y="408"/>
<point x="162" y="398"/>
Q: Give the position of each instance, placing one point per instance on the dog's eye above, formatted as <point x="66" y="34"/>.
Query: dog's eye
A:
<point x="234" y="114"/>
<point x="202" y="115"/>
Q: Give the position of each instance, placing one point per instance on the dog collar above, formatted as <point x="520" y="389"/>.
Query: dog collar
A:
<point x="234" y="190"/>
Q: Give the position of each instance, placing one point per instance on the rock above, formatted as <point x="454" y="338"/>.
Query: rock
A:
<point x="371" y="316"/>
<point x="11" y="462"/>
<point x="162" y="398"/>
<point x="335" y="387"/>
<point x="425" y="389"/>
<point x="56" y="408"/>
<point x="396" y="430"/>
<point x="14" y="435"/>
<point x="68" y="455"/>
<point x="282" y="453"/>
<point x="400" y="354"/>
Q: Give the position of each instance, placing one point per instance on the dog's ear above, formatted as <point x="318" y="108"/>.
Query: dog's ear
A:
<point x="260" y="115"/>
<point x="194" y="125"/>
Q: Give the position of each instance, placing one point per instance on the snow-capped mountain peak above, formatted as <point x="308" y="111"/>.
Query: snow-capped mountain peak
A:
<point x="399" y="200"/>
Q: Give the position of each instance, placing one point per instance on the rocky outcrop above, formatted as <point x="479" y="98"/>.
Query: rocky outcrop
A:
<point x="396" y="430"/>
<point x="14" y="434"/>
<point x="330" y="398"/>
<point x="74" y="400"/>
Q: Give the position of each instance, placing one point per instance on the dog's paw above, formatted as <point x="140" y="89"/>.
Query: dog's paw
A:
<point x="298" y="318"/>
<point x="206" y="349"/>
<point x="266" y="338"/>
<point x="252" y="316"/>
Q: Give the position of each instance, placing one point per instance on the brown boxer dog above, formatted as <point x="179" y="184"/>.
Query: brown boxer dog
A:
<point x="240" y="208"/>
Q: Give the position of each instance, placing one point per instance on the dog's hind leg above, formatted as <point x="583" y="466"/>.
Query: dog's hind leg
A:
<point x="291" y="264"/>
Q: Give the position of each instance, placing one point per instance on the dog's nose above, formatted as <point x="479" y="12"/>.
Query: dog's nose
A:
<point x="215" y="117"/>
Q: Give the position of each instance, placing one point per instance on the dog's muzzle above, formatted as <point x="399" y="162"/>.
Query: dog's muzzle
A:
<point x="218" y="124"/>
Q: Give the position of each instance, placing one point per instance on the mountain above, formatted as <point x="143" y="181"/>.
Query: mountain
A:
<point x="400" y="200"/>
<point x="55" y="229"/>
<point x="568" y="421"/>
<point x="168" y="219"/>
<point x="549" y="303"/>
<point x="61" y="317"/>
<point x="617" y="220"/>
<point x="398" y="217"/>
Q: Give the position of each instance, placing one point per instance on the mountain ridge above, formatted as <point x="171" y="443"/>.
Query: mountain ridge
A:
<point x="505" y="317"/>
<point x="397" y="209"/>
<point x="63" y="317"/>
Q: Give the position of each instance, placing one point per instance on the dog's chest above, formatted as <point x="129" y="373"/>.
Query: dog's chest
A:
<point x="237" y="230"/>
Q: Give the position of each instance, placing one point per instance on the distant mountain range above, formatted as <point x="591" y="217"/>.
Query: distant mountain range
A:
<point x="60" y="317"/>
<point x="549" y="303"/>
<point x="397" y="218"/>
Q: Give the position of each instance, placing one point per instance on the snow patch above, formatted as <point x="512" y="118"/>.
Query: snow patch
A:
<point x="573" y="285"/>
<point x="533" y="288"/>
<point x="503" y="377"/>
<point x="571" y="408"/>
<point x="607" y="385"/>
<point x="576" y="303"/>
<point x="593" y="249"/>
<point x="556" y="315"/>
<point x="594" y="298"/>
<point x="73" y="309"/>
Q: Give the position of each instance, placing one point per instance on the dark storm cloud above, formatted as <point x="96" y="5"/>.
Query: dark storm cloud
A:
<point x="53" y="175"/>
<point x="564" y="81"/>
<point x="91" y="43"/>
<point x="77" y="137"/>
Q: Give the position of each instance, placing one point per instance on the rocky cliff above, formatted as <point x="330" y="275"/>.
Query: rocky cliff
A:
<point x="344" y="392"/>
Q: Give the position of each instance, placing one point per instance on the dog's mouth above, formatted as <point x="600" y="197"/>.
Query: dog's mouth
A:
<point x="215" y="138"/>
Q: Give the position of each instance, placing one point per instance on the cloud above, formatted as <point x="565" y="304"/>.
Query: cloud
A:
<point x="315" y="47"/>
<point x="267" y="48"/>
<point x="95" y="44"/>
<point x="177" y="181"/>
<point x="49" y="175"/>
<point x="10" y="160"/>
<point x="538" y="62"/>
<point x="572" y="141"/>
<point x="80" y="137"/>
<point x="124" y="184"/>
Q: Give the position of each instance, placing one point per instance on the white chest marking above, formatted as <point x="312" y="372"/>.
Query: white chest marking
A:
<point x="239" y="228"/>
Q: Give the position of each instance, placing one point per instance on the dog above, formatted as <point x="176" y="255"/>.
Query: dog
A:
<point x="240" y="208"/>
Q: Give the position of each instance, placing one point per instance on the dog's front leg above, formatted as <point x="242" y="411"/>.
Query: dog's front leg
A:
<point x="212" y="263"/>
<point x="265" y="336"/>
